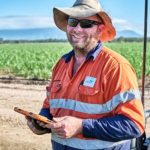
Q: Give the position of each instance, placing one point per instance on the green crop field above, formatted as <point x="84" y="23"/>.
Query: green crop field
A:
<point x="35" y="60"/>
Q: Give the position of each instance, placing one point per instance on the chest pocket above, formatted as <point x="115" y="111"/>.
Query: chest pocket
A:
<point x="91" y="95"/>
<point x="56" y="86"/>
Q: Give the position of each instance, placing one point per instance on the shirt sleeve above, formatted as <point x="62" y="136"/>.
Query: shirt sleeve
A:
<point x="45" y="110"/>
<point x="113" y="129"/>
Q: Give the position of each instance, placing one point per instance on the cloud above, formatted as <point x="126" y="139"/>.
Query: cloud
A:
<point x="20" y="22"/>
<point x="122" y="24"/>
<point x="26" y="22"/>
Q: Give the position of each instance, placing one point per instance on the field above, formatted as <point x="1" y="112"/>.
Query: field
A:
<point x="35" y="60"/>
<point x="32" y="60"/>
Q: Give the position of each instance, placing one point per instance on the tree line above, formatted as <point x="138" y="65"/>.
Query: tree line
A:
<point x="120" y="39"/>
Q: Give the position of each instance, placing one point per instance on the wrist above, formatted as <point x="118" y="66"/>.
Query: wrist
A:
<point x="80" y="126"/>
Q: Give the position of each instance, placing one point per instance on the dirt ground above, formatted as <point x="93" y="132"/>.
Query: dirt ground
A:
<point x="14" y="133"/>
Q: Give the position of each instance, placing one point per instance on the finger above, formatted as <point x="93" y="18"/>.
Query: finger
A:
<point x="58" y="131"/>
<point x="34" y="130"/>
<point x="62" y="136"/>
<point x="30" y="125"/>
<point x="56" y="125"/>
<point x="55" y="119"/>
<point x="42" y="124"/>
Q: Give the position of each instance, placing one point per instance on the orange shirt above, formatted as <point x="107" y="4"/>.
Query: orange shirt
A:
<point x="103" y="86"/>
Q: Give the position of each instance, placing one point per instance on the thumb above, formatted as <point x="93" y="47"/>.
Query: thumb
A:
<point x="28" y="118"/>
<point x="58" y="119"/>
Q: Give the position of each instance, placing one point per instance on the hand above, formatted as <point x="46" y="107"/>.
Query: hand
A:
<point x="36" y="127"/>
<point x="66" y="127"/>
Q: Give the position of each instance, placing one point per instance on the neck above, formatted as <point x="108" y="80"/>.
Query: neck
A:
<point x="79" y="60"/>
<point x="80" y="56"/>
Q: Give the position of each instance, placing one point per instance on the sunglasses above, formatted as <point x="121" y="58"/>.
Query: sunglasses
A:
<point x="85" y="23"/>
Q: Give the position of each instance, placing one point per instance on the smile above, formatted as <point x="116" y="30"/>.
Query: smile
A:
<point x="77" y="36"/>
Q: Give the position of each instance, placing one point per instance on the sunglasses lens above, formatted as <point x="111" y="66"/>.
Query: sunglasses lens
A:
<point x="72" y="22"/>
<point x="86" y="24"/>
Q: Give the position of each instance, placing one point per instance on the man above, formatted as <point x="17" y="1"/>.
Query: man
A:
<point x="93" y="97"/>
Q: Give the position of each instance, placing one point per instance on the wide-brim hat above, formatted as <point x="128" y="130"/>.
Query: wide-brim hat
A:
<point x="85" y="8"/>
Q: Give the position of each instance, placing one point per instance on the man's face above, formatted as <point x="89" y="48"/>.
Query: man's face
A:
<point x="81" y="38"/>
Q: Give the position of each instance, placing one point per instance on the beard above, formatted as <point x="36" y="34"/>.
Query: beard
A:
<point x="82" y="43"/>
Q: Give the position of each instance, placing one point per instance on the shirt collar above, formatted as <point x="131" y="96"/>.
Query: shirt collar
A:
<point x="92" y="54"/>
<point x="95" y="51"/>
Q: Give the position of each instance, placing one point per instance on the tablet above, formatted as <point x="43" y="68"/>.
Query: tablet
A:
<point x="33" y="115"/>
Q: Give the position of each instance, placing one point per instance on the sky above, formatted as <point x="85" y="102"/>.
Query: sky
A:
<point x="17" y="14"/>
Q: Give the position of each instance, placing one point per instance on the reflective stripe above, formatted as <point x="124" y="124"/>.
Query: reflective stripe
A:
<point x="85" y="144"/>
<point x="95" y="108"/>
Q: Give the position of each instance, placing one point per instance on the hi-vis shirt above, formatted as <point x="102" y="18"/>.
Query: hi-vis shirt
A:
<point x="104" y="92"/>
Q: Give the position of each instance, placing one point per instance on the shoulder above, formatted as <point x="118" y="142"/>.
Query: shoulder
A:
<point x="115" y="63"/>
<point x="114" y="57"/>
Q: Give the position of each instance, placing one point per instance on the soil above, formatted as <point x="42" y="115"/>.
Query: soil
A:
<point x="14" y="134"/>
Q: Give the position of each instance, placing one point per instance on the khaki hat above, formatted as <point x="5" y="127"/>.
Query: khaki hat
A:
<point x="85" y="8"/>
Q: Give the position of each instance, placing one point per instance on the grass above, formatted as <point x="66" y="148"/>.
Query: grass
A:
<point x="36" y="60"/>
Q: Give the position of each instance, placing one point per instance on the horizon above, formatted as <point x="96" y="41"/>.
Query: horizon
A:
<point x="51" y="33"/>
<point x="16" y="14"/>
<point x="34" y="28"/>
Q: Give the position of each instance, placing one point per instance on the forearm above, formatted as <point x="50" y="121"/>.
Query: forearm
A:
<point x="115" y="128"/>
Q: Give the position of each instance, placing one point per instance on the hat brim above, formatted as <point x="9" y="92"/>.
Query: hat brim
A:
<point x="61" y="16"/>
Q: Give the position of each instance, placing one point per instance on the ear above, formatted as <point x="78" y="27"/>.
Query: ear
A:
<point x="101" y="28"/>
